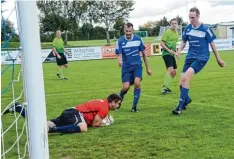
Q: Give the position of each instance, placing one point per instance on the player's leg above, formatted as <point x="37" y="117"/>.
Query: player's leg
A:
<point x="167" y="80"/>
<point x="16" y="107"/>
<point x="70" y="121"/>
<point x="59" y="65"/>
<point x="193" y="69"/>
<point x="126" y="80"/>
<point x="170" y="63"/>
<point x="137" y="87"/>
<point x="185" y="85"/>
<point x="65" y="65"/>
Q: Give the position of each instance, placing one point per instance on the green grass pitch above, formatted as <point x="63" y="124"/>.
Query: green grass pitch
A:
<point x="203" y="131"/>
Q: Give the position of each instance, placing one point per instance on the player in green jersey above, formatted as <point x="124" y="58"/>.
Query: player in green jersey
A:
<point x="168" y="43"/>
<point x="58" y="51"/>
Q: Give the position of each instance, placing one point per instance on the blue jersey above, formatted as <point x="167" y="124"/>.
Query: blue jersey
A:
<point x="130" y="50"/>
<point x="198" y="39"/>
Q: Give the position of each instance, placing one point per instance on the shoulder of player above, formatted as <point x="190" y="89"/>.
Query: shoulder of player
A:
<point x="137" y="37"/>
<point x="188" y="26"/>
<point x="122" y="38"/>
<point x="55" y="39"/>
<point x="205" y="27"/>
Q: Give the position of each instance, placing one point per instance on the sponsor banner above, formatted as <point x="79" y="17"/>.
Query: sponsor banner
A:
<point x="156" y="49"/>
<point x="185" y="50"/>
<point x="104" y="52"/>
<point x="85" y="53"/>
<point x="108" y="52"/>
<point x="47" y="55"/>
<point x="223" y="44"/>
<point x="148" y="49"/>
<point x="7" y="57"/>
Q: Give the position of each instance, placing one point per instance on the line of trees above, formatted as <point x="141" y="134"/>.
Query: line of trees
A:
<point x="81" y="20"/>
<point x="87" y="20"/>
<point x="153" y="27"/>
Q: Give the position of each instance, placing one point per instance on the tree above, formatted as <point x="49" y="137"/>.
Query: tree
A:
<point x="163" y="22"/>
<point x="149" y="27"/>
<point x="119" y="26"/>
<point x="179" y="20"/>
<point x="77" y="12"/>
<point x="87" y="30"/>
<point x="54" y="15"/>
<point x="7" y="30"/>
<point x="106" y="12"/>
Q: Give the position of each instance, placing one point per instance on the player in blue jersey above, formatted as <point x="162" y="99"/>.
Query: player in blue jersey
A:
<point x="199" y="36"/>
<point x="128" y="49"/>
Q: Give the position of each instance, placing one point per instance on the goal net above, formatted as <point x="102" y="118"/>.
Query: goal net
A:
<point x="165" y="28"/>
<point x="22" y="81"/>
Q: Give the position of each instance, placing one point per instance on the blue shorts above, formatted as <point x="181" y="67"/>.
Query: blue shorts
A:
<point x="130" y="73"/>
<point x="196" y="64"/>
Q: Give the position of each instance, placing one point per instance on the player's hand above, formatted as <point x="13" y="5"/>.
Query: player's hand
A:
<point x="177" y="54"/>
<point x="59" y="57"/>
<point x="120" y="63"/>
<point x="221" y="63"/>
<point x="172" y="52"/>
<point x="149" y="72"/>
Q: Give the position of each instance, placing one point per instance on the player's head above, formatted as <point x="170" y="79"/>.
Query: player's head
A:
<point x="128" y="30"/>
<point x="194" y="15"/>
<point x="114" y="101"/>
<point x="58" y="33"/>
<point x="174" y="24"/>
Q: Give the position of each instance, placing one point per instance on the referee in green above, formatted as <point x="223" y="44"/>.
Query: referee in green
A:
<point x="58" y="52"/>
<point x="168" y="43"/>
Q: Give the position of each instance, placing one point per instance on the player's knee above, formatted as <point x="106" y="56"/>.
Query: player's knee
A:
<point x="137" y="84"/>
<point x="186" y="79"/>
<point x="126" y="87"/>
<point x="66" y="66"/>
<point x="83" y="127"/>
<point x="50" y="124"/>
<point x="170" y="71"/>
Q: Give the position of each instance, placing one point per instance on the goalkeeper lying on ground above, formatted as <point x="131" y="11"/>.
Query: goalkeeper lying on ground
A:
<point x="77" y="119"/>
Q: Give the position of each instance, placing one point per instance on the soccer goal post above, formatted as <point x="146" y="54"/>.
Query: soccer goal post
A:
<point x="33" y="79"/>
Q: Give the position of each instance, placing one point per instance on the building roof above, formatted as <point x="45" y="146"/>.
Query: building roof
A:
<point x="227" y="23"/>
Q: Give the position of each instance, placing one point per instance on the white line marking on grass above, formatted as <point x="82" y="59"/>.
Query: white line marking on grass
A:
<point x="196" y="103"/>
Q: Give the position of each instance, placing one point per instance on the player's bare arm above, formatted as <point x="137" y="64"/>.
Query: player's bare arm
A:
<point x="97" y="121"/>
<point x="182" y="45"/>
<point x="55" y="53"/>
<point x="218" y="58"/>
<point x="162" y="43"/>
<point x="148" y="70"/>
<point x="120" y="60"/>
<point x="65" y="51"/>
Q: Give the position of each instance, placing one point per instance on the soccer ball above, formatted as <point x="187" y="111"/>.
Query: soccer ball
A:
<point x="108" y="120"/>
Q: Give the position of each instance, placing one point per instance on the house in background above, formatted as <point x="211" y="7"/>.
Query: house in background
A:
<point x="225" y="30"/>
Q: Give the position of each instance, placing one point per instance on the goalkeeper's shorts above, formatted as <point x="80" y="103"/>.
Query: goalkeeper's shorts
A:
<point x="69" y="117"/>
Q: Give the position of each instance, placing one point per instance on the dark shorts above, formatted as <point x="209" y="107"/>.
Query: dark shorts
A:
<point x="68" y="117"/>
<point x="62" y="61"/>
<point x="170" y="61"/>
<point x="196" y="64"/>
<point x="130" y="73"/>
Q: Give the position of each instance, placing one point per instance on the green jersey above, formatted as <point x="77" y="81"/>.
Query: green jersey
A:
<point x="59" y="45"/>
<point x="170" y="38"/>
